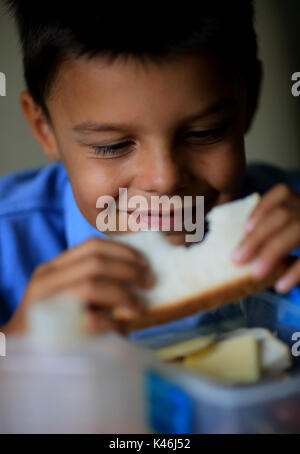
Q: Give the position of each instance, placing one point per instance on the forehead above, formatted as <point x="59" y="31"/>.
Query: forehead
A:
<point x="137" y="90"/>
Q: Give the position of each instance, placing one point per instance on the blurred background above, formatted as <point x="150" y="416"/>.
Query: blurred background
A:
<point x="274" y="138"/>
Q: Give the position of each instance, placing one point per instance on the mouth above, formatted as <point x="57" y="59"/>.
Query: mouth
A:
<point x="155" y="213"/>
<point x="168" y="218"/>
<point x="159" y="219"/>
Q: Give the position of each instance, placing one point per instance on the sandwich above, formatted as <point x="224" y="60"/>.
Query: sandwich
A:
<point x="201" y="277"/>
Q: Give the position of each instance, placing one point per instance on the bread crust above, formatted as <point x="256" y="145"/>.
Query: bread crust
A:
<point x="208" y="300"/>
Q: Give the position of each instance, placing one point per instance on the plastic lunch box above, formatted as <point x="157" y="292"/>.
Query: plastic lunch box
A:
<point x="110" y="385"/>
<point x="181" y="402"/>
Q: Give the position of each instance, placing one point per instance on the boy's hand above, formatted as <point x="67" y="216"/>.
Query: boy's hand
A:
<point x="100" y="272"/>
<point x="273" y="231"/>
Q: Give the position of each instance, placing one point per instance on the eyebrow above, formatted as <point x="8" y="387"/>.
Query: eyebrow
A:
<point x="91" y="126"/>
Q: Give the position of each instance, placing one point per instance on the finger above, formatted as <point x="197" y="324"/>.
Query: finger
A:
<point x="108" y="294"/>
<point x="277" y="195"/>
<point x="277" y="248"/>
<point x="254" y="240"/>
<point x="290" y="279"/>
<point x="96" y="246"/>
<point x="99" y="322"/>
<point x="95" y="267"/>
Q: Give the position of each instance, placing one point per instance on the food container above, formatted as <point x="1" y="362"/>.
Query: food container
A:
<point x="94" y="386"/>
<point x="178" y="401"/>
<point x="107" y="384"/>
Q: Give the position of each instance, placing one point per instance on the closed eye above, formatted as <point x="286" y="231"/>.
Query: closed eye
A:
<point x="210" y="135"/>
<point x="201" y="134"/>
<point x="113" y="150"/>
<point x="201" y="137"/>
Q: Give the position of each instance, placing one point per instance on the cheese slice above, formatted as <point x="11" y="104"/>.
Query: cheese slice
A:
<point x="231" y="361"/>
<point x="174" y="351"/>
<point x="275" y="355"/>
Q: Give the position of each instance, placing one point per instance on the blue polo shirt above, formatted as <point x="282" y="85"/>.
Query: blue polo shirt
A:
<point x="39" y="219"/>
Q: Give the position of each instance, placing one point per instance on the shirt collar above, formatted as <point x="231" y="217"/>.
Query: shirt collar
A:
<point x="77" y="228"/>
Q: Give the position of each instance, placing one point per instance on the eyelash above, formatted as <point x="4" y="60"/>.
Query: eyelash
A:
<point x="115" y="150"/>
<point x="212" y="135"/>
<point x="111" y="150"/>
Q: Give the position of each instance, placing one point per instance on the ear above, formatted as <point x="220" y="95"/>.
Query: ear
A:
<point x="40" y="126"/>
<point x="253" y="93"/>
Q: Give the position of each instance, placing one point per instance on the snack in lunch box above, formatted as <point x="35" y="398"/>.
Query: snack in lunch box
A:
<point x="233" y="360"/>
<point x="240" y="356"/>
<point x="177" y="351"/>
<point x="275" y="355"/>
<point x="200" y="277"/>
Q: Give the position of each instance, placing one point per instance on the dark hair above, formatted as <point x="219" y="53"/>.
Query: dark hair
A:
<point x="53" y="31"/>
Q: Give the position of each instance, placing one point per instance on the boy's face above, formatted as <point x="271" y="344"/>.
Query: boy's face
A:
<point x="182" y="123"/>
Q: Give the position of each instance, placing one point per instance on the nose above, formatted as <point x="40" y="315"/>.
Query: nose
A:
<point x="159" y="171"/>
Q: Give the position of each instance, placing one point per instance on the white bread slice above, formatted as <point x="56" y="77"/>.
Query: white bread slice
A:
<point x="200" y="277"/>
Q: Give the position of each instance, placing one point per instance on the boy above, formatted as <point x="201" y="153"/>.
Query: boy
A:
<point x="155" y="104"/>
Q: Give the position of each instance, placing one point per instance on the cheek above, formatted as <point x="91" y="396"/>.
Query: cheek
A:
<point x="224" y="164"/>
<point x="222" y="167"/>
<point x="91" y="178"/>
